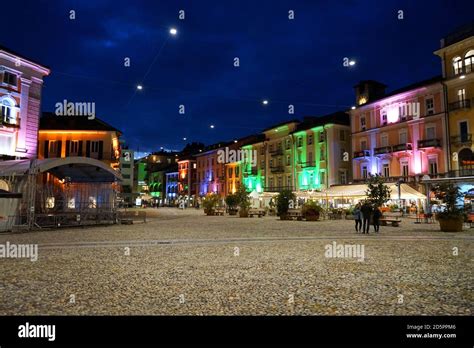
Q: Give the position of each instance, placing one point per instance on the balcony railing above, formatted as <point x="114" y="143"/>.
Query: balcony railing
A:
<point x="277" y="169"/>
<point x="402" y="147"/>
<point x="277" y="152"/>
<point x="277" y="188"/>
<point x="309" y="164"/>
<point x="363" y="153"/>
<point x="429" y="143"/>
<point x="382" y="150"/>
<point x="462" y="139"/>
<point x="460" y="104"/>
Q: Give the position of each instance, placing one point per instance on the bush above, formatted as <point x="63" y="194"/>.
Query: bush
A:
<point x="283" y="202"/>
<point x="312" y="210"/>
<point x="232" y="201"/>
<point x="209" y="203"/>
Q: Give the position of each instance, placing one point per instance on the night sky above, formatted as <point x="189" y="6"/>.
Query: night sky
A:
<point x="286" y="61"/>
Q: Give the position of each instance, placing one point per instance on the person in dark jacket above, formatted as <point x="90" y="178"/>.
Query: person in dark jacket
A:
<point x="376" y="217"/>
<point x="357" y="218"/>
<point x="366" y="211"/>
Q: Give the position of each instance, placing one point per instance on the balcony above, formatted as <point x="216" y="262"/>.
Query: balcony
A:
<point x="363" y="153"/>
<point x="277" y="152"/>
<point x="402" y="147"/>
<point x="277" y="188"/>
<point x="277" y="169"/>
<point x="382" y="150"/>
<point x="460" y="104"/>
<point x="462" y="139"/>
<point x="423" y="144"/>
<point x="309" y="164"/>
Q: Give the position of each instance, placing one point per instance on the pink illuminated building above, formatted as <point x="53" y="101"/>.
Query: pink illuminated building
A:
<point x="401" y="135"/>
<point x="21" y="82"/>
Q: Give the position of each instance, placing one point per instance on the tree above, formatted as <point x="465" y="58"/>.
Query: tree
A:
<point x="449" y="194"/>
<point x="377" y="193"/>
<point x="243" y="200"/>
<point x="283" y="202"/>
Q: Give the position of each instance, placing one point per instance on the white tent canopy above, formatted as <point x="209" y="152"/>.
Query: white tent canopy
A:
<point x="359" y="191"/>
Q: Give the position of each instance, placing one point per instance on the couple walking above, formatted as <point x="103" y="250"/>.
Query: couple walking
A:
<point x="362" y="216"/>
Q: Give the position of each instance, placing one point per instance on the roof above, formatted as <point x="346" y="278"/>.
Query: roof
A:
<point x="415" y="85"/>
<point x="459" y="34"/>
<point x="281" y="124"/>
<point x="7" y="50"/>
<point x="339" y="117"/>
<point x="49" y="121"/>
<point x="79" y="169"/>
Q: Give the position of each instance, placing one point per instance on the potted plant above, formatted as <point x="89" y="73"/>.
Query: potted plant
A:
<point x="311" y="210"/>
<point x="232" y="204"/>
<point x="451" y="217"/>
<point x="209" y="203"/>
<point x="243" y="200"/>
<point x="283" y="203"/>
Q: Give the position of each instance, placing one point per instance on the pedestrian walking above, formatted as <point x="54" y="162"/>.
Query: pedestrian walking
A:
<point x="358" y="218"/>
<point x="366" y="211"/>
<point x="376" y="217"/>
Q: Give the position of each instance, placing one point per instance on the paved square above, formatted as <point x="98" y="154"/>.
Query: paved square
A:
<point x="183" y="262"/>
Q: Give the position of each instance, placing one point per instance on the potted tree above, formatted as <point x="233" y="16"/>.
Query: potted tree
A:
<point x="232" y="204"/>
<point x="451" y="217"/>
<point x="271" y="210"/>
<point x="312" y="210"/>
<point x="283" y="203"/>
<point x="243" y="200"/>
<point x="209" y="203"/>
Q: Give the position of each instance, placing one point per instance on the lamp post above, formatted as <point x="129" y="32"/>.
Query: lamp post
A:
<point x="426" y="179"/>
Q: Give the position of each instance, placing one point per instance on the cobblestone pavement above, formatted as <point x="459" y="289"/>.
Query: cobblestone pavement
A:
<point x="182" y="262"/>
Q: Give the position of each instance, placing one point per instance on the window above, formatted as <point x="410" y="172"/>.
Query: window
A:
<point x="342" y="135"/>
<point x="288" y="181"/>
<point x="279" y="161"/>
<point x="322" y="178"/>
<point x="74" y="148"/>
<point x="403" y="137"/>
<point x="271" y="163"/>
<point x="9" y="78"/>
<point x="343" y="153"/>
<point x="457" y="65"/>
<point x="53" y="145"/>
<point x="310" y="157"/>
<point x="404" y="169"/>
<point x="287" y="144"/>
<point x="430" y="132"/>
<point x="310" y="139"/>
<point x="270" y="148"/>
<point x="230" y="172"/>
<point x="384" y="140"/>
<point x="469" y="62"/>
<point x="362" y="123"/>
<point x="364" y="172"/>
<point x="321" y="137"/>
<point x="300" y="141"/>
<point x="461" y="94"/>
<point x="463" y="131"/>
<point x="262" y="164"/>
<point x="429" y="103"/>
<point x="280" y="181"/>
<point x="322" y="154"/>
<point x="342" y="177"/>
<point x="363" y="145"/>
<point x="8" y="112"/>
<point x="237" y="171"/>
<point x="288" y="160"/>
<point x="433" y="165"/>
<point x="386" y="170"/>
<point x="262" y="150"/>
<point x="94" y="146"/>
<point x="384" y="117"/>
<point x="271" y="183"/>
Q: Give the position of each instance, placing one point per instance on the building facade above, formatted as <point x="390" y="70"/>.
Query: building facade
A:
<point x="21" y="83"/>
<point x="457" y="59"/>
<point x="78" y="136"/>
<point x="401" y="136"/>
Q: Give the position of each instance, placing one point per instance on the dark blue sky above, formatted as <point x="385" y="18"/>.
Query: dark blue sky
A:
<point x="285" y="61"/>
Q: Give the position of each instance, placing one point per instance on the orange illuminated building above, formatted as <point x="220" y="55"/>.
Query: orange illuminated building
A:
<point x="78" y="136"/>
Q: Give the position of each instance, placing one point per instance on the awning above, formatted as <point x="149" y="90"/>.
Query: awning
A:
<point x="359" y="191"/>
